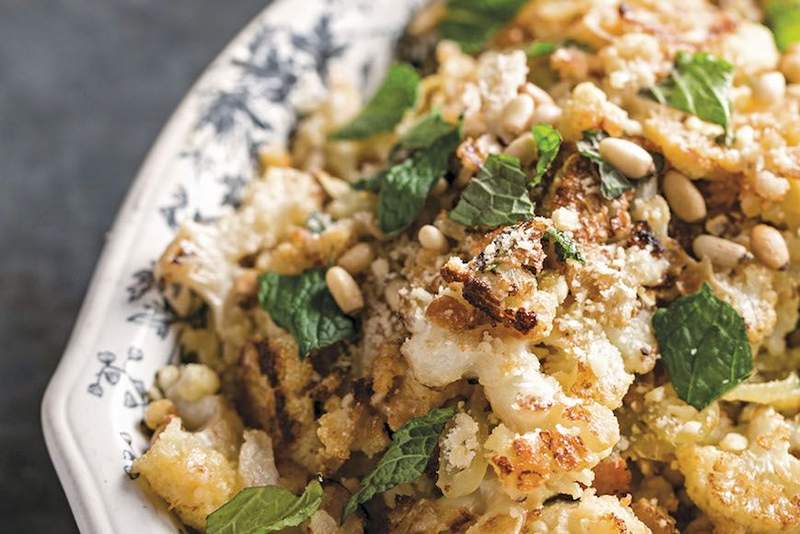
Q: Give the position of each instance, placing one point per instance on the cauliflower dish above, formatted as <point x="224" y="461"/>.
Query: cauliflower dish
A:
<point x="545" y="279"/>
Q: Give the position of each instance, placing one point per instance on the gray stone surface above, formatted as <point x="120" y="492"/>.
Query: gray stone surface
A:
<point x="85" y="86"/>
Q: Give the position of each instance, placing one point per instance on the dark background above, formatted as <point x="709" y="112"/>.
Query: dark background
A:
<point x="85" y="86"/>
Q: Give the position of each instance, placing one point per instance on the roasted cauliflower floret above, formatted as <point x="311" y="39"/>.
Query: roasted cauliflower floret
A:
<point x="203" y="260"/>
<point x="590" y="515"/>
<point x="501" y="280"/>
<point x="576" y="187"/>
<point x="753" y="490"/>
<point x="555" y="458"/>
<point x="192" y="477"/>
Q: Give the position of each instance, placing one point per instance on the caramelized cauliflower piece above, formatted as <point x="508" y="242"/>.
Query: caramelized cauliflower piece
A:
<point x="192" y="477"/>
<point x="755" y="490"/>
<point x="590" y="515"/>
<point x="203" y="260"/>
<point x="577" y="187"/>
<point x="556" y="458"/>
<point x="501" y="280"/>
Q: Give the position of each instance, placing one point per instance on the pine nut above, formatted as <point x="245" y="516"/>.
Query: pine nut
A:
<point x="439" y="187"/>
<point x="769" y="246"/>
<point x="344" y="289"/>
<point x="167" y="376"/>
<point x="768" y="185"/>
<point x="546" y="114"/>
<point x="721" y="252"/>
<point x="158" y="412"/>
<point x="523" y="148"/>
<point x="790" y="64"/>
<point x="683" y="197"/>
<point x="432" y="238"/>
<point x="539" y="95"/>
<point x="733" y="442"/>
<point x="517" y="113"/>
<point x="380" y="268"/>
<point x="769" y="88"/>
<point x="627" y="157"/>
<point x="392" y="293"/>
<point x="356" y="259"/>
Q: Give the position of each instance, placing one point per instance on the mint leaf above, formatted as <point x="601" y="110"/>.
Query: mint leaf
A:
<point x="304" y="307"/>
<point x="612" y="182"/>
<point x="783" y="18"/>
<point x="405" y="459"/>
<point x="425" y="132"/>
<point x="497" y="196"/>
<point x="566" y="249"/>
<point x="382" y="113"/>
<point x="404" y="187"/>
<point x="548" y="141"/>
<point x="704" y="344"/>
<point x="473" y="23"/>
<point x="540" y="48"/>
<point x="699" y="84"/>
<point x="264" y="509"/>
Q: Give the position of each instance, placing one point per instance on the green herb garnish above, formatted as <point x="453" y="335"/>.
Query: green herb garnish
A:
<point x="403" y="187"/>
<point x="304" y="307"/>
<point x="405" y="459"/>
<point x="783" y="17"/>
<point x="699" y="84"/>
<point x="425" y="132"/>
<point x="566" y="249"/>
<point x="264" y="509"/>
<point x="498" y="195"/>
<point x="704" y="344"/>
<point x="540" y="48"/>
<point x="397" y="93"/>
<point x="473" y="23"/>
<point x="612" y="182"/>
<point x="548" y="141"/>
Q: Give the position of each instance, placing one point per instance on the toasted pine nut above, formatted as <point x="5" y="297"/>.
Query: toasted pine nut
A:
<point x="733" y="442"/>
<point x="683" y="196"/>
<point x="356" y="259"/>
<point x="157" y="412"/>
<point x="380" y="268"/>
<point x="392" y="293"/>
<point x="769" y="246"/>
<point x="721" y="252"/>
<point x="768" y="185"/>
<point x="539" y="95"/>
<point x="432" y="238"/>
<point x="439" y="187"/>
<point x="523" y="148"/>
<point x="344" y="289"/>
<point x="627" y="157"/>
<point x="769" y="88"/>
<point x="790" y="64"/>
<point x="517" y="113"/>
<point x="547" y="114"/>
<point x="167" y="376"/>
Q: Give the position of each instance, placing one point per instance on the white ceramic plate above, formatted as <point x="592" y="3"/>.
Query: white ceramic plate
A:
<point x="251" y="94"/>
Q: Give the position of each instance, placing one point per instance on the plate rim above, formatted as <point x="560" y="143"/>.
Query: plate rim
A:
<point x="69" y="462"/>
